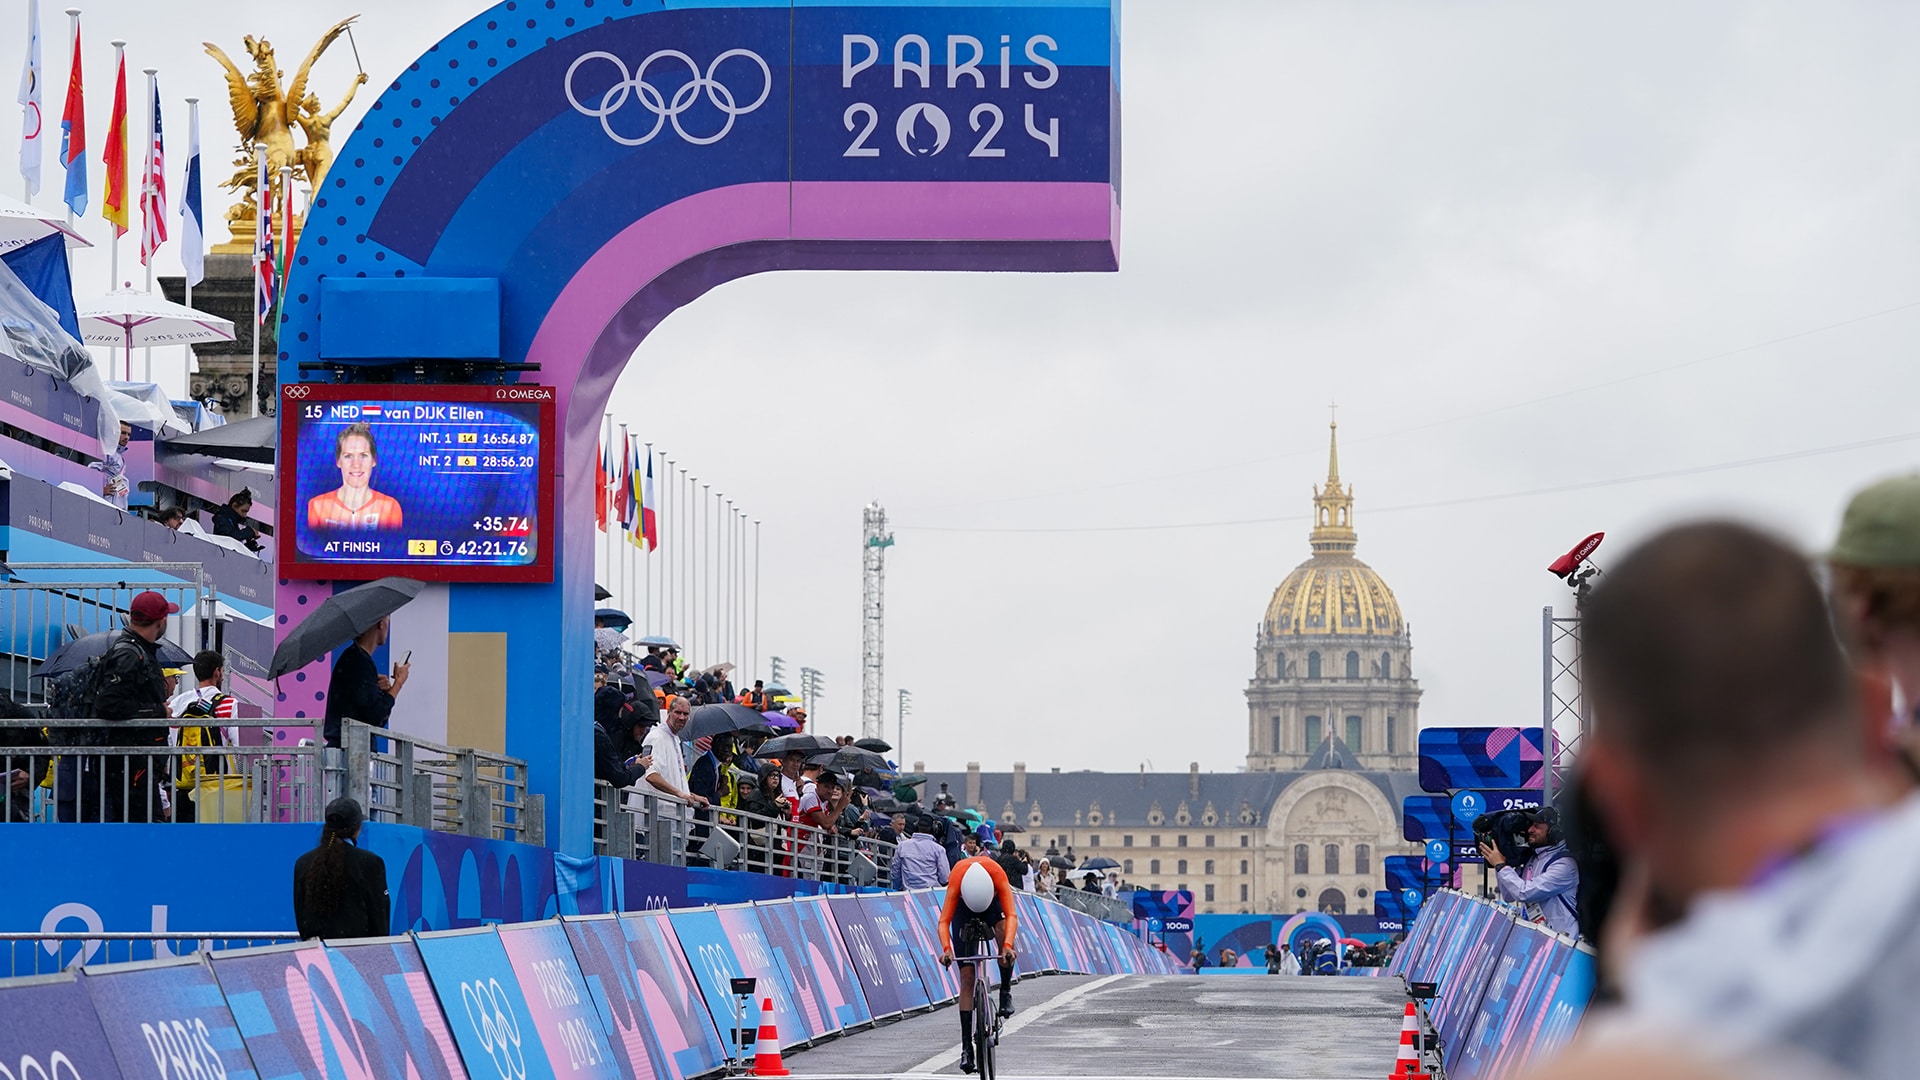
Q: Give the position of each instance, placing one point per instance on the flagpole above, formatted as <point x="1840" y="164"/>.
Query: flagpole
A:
<point x="660" y="569"/>
<point x="600" y="507"/>
<point x="669" y="614"/>
<point x="633" y="568"/>
<point x="33" y="81"/>
<point x="153" y="121"/>
<point x="193" y="147"/>
<point x="260" y="215"/>
<point x="681" y="590"/>
<point x="756" y="596"/>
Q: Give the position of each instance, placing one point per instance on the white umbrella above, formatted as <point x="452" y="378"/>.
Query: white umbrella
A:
<point x="132" y="319"/>
<point x="21" y="224"/>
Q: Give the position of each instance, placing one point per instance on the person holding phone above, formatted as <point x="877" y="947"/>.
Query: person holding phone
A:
<point x="357" y="690"/>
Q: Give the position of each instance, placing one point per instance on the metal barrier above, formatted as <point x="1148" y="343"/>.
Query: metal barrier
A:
<point x="409" y="780"/>
<point x="1096" y="905"/>
<point x="101" y="771"/>
<point x="54" y="771"/>
<point x="45" y="954"/>
<point x="640" y="823"/>
<point x="76" y="599"/>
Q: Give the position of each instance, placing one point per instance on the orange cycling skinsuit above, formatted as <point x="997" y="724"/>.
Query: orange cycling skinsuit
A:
<point x="979" y="907"/>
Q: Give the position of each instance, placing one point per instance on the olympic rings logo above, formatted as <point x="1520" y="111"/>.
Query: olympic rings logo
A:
<point x="634" y="84"/>
<point x="490" y="1011"/>
<point x="296" y="391"/>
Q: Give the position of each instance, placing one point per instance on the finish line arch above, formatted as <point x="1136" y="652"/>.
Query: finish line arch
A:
<point x="576" y="170"/>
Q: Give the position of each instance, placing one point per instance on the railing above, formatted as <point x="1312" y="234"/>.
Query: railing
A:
<point x="45" y="954"/>
<point x="637" y="822"/>
<point x="56" y="770"/>
<point x="409" y="780"/>
<point x="53" y="772"/>
<point x="1100" y="907"/>
<point x="42" y="614"/>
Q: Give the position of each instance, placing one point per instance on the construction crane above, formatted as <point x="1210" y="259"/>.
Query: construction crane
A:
<point x="874" y="543"/>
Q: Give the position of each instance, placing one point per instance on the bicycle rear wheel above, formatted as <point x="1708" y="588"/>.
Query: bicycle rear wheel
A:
<point x="982" y="1027"/>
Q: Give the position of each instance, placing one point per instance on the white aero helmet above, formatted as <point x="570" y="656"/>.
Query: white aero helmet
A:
<point x="976" y="888"/>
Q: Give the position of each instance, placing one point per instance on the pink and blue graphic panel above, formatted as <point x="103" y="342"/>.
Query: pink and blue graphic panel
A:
<point x="492" y="1022"/>
<point x="165" y="1017"/>
<point x="727" y="943"/>
<point x="292" y="1013"/>
<point x="831" y="958"/>
<point x="1036" y="949"/>
<point x="1474" y="757"/>
<point x="883" y="980"/>
<point x="384" y="986"/>
<point x="48" y="1027"/>
<point x="600" y="948"/>
<point x="824" y="986"/>
<point x="684" y="1033"/>
<point x="563" y="1010"/>
<point x="942" y="983"/>
<point x="904" y="953"/>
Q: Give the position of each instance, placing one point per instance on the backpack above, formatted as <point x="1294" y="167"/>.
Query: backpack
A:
<point x="74" y="695"/>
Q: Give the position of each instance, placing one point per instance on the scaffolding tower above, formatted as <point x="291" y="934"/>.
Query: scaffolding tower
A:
<point x="875" y="541"/>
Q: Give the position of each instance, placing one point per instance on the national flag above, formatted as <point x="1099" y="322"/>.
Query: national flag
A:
<point x="634" y="495"/>
<point x="286" y="232"/>
<point x="265" y="276"/>
<point x="73" y="134"/>
<point x="372" y="410"/>
<point x="193" y="243"/>
<point x="623" y="493"/>
<point x="32" y="122"/>
<point x="649" y="519"/>
<point x="114" y="156"/>
<point x="600" y="489"/>
<point x="153" y="188"/>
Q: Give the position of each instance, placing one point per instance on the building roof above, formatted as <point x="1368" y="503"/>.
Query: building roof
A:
<point x="1333" y="592"/>
<point x="1128" y="799"/>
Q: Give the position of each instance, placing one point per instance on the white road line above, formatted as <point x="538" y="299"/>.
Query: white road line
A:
<point x="949" y="1056"/>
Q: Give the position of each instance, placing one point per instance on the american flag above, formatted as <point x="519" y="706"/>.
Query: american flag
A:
<point x="153" y="189"/>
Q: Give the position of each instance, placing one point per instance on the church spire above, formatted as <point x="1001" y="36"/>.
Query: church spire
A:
<point x="1333" y="504"/>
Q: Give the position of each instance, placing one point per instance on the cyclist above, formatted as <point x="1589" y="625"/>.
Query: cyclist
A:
<point x="979" y="908"/>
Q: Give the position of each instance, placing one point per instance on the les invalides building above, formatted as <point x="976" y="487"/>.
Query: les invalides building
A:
<point x="1332" y="712"/>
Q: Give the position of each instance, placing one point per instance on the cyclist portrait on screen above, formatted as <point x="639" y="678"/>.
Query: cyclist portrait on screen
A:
<point x="979" y="910"/>
<point x="355" y="505"/>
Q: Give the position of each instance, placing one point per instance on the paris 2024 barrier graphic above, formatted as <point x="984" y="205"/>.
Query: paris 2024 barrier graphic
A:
<point x="535" y="193"/>
<point x="636" y="994"/>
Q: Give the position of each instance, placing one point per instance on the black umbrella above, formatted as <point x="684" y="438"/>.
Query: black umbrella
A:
<point x="1060" y="862"/>
<point x="600" y="593"/>
<point x="851" y="759"/>
<point x="710" y="720"/>
<point x="797" y="743"/>
<point x="241" y="440"/>
<point x="1101" y="863"/>
<point x="74" y="654"/>
<point x="613" y="617"/>
<point x="340" y="618"/>
<point x="878" y="746"/>
<point x="1008" y="826"/>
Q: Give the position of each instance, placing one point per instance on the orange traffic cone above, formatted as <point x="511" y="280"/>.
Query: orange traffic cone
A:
<point x="766" y="1048"/>
<point x="1407" y="1067"/>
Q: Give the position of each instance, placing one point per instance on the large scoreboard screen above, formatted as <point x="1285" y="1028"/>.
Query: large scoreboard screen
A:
<point x="442" y="483"/>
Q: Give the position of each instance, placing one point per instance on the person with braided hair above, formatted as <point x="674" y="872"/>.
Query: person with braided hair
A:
<point x="340" y="891"/>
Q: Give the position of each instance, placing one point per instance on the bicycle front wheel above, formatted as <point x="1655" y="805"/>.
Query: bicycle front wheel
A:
<point x="982" y="1027"/>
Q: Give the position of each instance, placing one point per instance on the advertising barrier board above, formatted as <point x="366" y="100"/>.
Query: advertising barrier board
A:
<point x="564" y="1012"/>
<point x="384" y="986"/>
<point x="887" y="915"/>
<point x="167" y="1016"/>
<point x="492" y="1023"/>
<point x="48" y="1027"/>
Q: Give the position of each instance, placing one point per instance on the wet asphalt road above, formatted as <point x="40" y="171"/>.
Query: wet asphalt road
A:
<point x="1171" y="1027"/>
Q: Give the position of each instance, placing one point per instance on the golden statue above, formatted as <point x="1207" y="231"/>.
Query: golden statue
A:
<point x="265" y="115"/>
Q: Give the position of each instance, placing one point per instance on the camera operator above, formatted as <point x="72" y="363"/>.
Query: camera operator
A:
<point x="1548" y="880"/>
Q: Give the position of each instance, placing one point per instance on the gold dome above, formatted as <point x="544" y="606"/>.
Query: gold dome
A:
<point x="1333" y="592"/>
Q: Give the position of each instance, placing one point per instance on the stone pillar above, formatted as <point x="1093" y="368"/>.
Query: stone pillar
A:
<point x="1019" y="782"/>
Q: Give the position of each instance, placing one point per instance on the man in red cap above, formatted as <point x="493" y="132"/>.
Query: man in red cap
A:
<point x="129" y="685"/>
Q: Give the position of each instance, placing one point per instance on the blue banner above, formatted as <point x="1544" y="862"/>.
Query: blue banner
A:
<point x="942" y="983"/>
<point x="291" y="1013"/>
<point x="689" y="1041"/>
<point x="742" y="949"/>
<point x="1471" y="757"/>
<point x="894" y="938"/>
<point x="169" y="1017"/>
<point x="833" y="965"/>
<point x="817" y="990"/>
<point x="491" y="1021"/>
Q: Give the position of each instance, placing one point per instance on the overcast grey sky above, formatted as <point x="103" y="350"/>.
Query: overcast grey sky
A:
<point x="1525" y="247"/>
